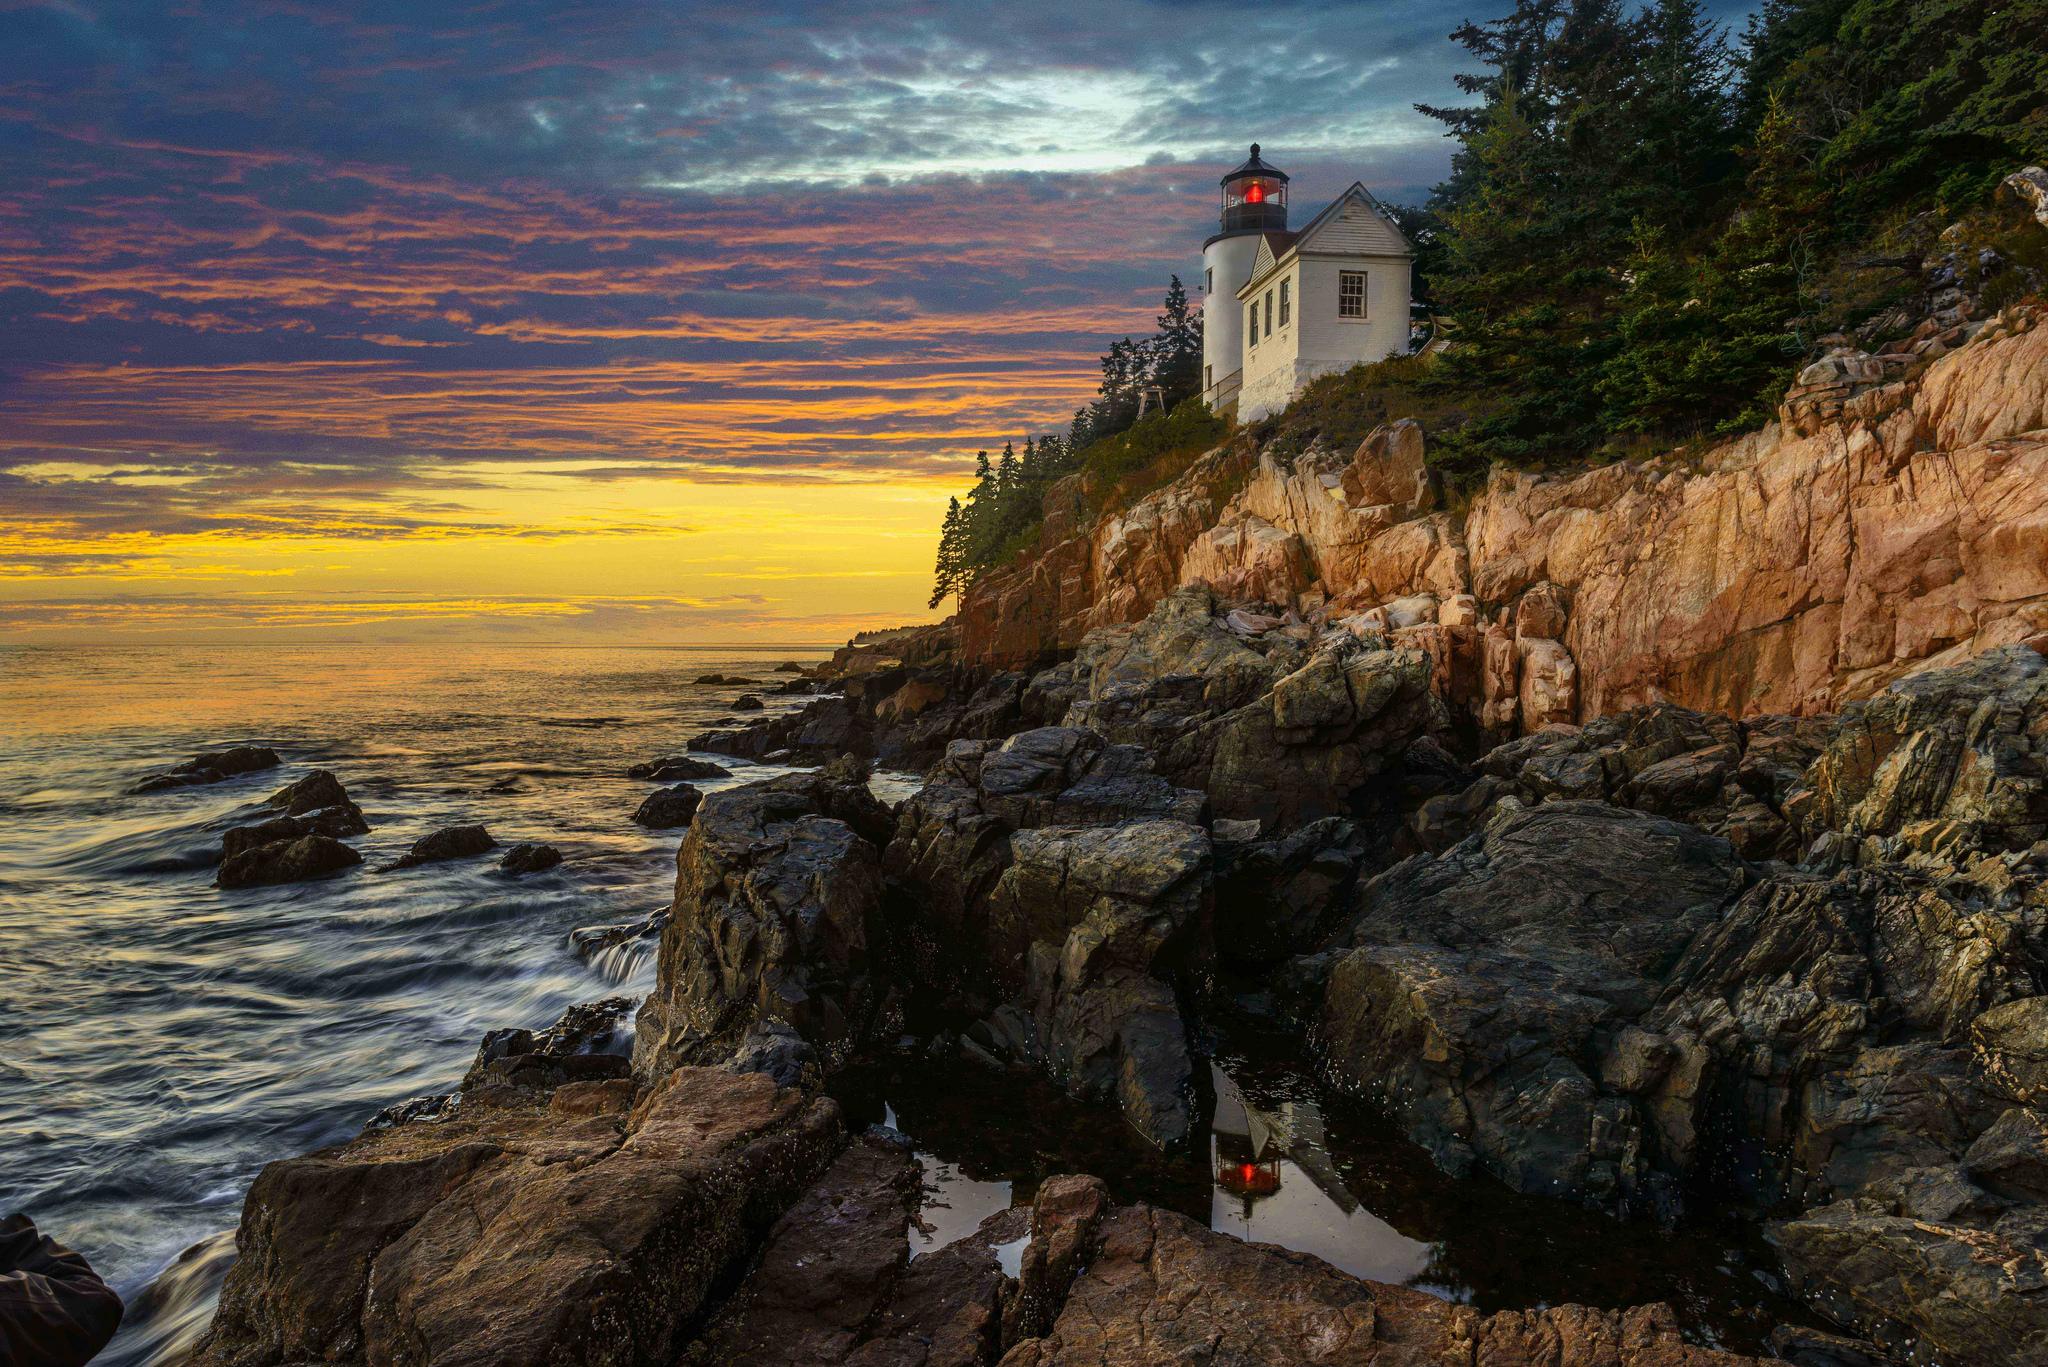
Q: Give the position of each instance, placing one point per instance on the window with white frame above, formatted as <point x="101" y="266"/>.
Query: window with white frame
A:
<point x="1286" y="302"/>
<point x="1251" y="324"/>
<point x="1351" y="294"/>
<point x="1269" y="313"/>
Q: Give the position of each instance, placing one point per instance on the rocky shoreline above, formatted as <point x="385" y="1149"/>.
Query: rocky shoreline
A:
<point x="1667" y="959"/>
<point x="1401" y="787"/>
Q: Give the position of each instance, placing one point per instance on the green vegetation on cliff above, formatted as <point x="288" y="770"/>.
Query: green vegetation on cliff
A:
<point x="1647" y="229"/>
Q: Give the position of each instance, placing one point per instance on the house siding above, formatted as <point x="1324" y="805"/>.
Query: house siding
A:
<point x="1316" y="341"/>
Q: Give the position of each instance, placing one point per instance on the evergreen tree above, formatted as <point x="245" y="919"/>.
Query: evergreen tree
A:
<point x="948" y="575"/>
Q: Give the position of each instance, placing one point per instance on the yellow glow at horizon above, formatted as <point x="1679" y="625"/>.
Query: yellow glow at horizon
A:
<point x="792" y="559"/>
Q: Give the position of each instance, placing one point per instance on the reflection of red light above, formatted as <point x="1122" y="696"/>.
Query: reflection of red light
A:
<point x="1256" y="194"/>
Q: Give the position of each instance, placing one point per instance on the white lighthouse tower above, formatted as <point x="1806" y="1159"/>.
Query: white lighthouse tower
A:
<point x="1254" y="204"/>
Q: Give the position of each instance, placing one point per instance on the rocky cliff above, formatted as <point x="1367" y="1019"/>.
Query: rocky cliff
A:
<point x="1895" y="516"/>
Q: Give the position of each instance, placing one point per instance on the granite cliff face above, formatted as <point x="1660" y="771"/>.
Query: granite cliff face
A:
<point x="1896" y="516"/>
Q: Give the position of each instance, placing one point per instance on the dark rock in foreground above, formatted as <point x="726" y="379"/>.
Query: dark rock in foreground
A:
<point x="678" y="768"/>
<point x="587" y="1224"/>
<point x="778" y="885"/>
<point x="1482" y="981"/>
<point x="450" y="842"/>
<point x="669" y="808"/>
<point x="530" y="857"/>
<point x="314" y="805"/>
<point x="211" y="768"/>
<point x="286" y="861"/>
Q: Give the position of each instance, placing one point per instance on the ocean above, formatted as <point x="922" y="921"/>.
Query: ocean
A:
<point x="161" y="1039"/>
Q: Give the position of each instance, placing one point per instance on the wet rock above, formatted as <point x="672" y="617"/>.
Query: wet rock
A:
<point x="450" y="842"/>
<point x="778" y="886"/>
<point x="56" y="1309"/>
<point x="677" y="769"/>
<point x="1104" y="919"/>
<point x="748" y="702"/>
<point x="669" y="808"/>
<point x="528" y="857"/>
<point x="1480" y="981"/>
<point x="587" y="1043"/>
<point x="1274" y="898"/>
<point x="618" y="950"/>
<point x="314" y="805"/>
<point x="286" y="861"/>
<point x="1957" y="1292"/>
<point x="1160" y="1289"/>
<point x="215" y="767"/>
<point x="580" y="1225"/>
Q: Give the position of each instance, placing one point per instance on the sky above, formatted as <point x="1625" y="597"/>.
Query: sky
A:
<point x="625" y="322"/>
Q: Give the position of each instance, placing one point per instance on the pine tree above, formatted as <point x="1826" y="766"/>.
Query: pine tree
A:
<point x="949" y="574"/>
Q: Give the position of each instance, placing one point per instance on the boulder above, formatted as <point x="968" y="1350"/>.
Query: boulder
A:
<point x="669" y="808"/>
<point x="1967" y="745"/>
<point x="1478" y="983"/>
<point x="677" y="769"/>
<point x="286" y="861"/>
<point x="529" y="857"/>
<point x="450" y="842"/>
<point x="1948" y="1291"/>
<point x="1161" y="1290"/>
<point x="748" y="702"/>
<point x="1104" y="919"/>
<point x="314" y="805"/>
<point x="778" y="888"/>
<point x="214" y="767"/>
<point x="579" y="1225"/>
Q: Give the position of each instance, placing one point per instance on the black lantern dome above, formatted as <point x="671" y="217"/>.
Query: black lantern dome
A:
<point x="1255" y="197"/>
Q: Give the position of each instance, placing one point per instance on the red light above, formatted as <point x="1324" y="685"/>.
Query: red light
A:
<point x="1255" y="194"/>
<point x="1248" y="1172"/>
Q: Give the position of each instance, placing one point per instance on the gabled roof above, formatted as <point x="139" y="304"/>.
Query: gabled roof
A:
<point x="1340" y="231"/>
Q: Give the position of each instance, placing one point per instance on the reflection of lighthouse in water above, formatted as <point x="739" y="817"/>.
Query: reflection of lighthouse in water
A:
<point x="1274" y="1183"/>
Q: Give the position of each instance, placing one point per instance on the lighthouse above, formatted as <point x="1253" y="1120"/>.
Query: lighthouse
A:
<point x="1282" y="307"/>
<point x="1254" y="204"/>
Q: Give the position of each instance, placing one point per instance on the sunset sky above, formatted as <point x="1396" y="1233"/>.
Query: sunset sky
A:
<point x="611" y="321"/>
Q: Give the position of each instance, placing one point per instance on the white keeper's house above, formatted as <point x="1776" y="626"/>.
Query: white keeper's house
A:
<point x="1281" y="307"/>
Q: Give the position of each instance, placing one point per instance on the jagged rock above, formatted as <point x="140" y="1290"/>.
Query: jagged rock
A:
<point x="529" y="857"/>
<point x="1480" y="980"/>
<point x="835" y="1283"/>
<point x="581" y="1046"/>
<point x="450" y="842"/>
<point x="314" y="805"/>
<point x="670" y="807"/>
<point x="216" y="767"/>
<point x="1103" y="919"/>
<point x="1161" y="1290"/>
<point x="1958" y="1292"/>
<point x="748" y="702"/>
<point x="578" y="1226"/>
<point x="1967" y="745"/>
<point x="677" y="769"/>
<point x="2011" y="1045"/>
<point x="2030" y="186"/>
<point x="1274" y="897"/>
<point x="778" y="887"/>
<point x="286" y="861"/>
<point x="1271" y="729"/>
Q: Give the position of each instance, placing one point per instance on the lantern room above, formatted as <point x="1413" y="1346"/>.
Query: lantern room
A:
<point x="1255" y="197"/>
